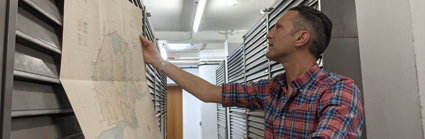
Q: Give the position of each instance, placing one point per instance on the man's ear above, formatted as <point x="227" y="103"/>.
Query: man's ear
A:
<point x="302" y="38"/>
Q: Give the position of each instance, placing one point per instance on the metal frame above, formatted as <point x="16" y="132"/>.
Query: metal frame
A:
<point x="233" y="60"/>
<point x="220" y="72"/>
<point x="258" y="27"/>
<point x="226" y="80"/>
<point x="156" y="78"/>
<point x="11" y="8"/>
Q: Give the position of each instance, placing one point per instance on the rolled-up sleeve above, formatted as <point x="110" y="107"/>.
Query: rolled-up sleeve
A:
<point x="251" y="95"/>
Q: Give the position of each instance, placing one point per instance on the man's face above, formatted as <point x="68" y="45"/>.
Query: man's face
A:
<point x="281" y="39"/>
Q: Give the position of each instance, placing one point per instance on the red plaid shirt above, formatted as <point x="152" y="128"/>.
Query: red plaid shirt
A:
<point x="322" y="105"/>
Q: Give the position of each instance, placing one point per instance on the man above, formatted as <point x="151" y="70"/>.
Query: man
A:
<point x="303" y="102"/>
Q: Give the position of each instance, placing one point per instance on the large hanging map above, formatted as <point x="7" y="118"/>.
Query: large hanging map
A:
<point x="103" y="72"/>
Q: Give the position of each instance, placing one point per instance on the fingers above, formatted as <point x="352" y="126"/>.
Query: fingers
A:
<point x="145" y="42"/>
<point x="143" y="39"/>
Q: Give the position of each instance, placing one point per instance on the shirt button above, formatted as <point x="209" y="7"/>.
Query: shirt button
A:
<point x="283" y="117"/>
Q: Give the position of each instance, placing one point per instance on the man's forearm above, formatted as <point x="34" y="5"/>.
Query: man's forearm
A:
<point x="200" y="88"/>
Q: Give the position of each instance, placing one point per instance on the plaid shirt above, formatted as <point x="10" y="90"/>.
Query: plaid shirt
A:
<point x="322" y="105"/>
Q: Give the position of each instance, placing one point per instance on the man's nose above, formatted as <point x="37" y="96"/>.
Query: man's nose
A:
<point x="269" y="35"/>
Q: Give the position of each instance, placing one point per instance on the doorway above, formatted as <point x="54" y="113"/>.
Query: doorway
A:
<point x="174" y="112"/>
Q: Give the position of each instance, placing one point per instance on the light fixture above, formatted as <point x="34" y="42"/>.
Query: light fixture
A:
<point x="198" y="15"/>
<point x="262" y="12"/>
<point x="179" y="46"/>
<point x="232" y="3"/>
<point x="265" y="10"/>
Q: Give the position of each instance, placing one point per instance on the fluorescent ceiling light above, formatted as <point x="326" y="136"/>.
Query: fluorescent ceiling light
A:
<point x="198" y="15"/>
<point x="180" y="46"/>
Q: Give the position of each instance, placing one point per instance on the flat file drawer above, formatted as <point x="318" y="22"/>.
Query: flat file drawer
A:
<point x="47" y="8"/>
<point x="258" y="31"/>
<point x="277" y="69"/>
<point x="258" y="49"/>
<point x="276" y="14"/>
<point x="259" y="37"/>
<point x="254" y="55"/>
<point x="35" y="62"/>
<point x="260" y="59"/>
<point x="262" y="42"/>
<point x="279" y="9"/>
<point x="38" y="96"/>
<point x="48" y="126"/>
<point x="32" y="26"/>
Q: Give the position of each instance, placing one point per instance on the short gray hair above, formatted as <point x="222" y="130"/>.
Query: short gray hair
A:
<point x="319" y="26"/>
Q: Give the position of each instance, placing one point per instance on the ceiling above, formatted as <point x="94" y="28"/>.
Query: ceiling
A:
<point x="178" y="15"/>
<point x="172" y="22"/>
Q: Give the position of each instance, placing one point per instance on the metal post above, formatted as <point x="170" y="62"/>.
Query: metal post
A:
<point x="267" y="29"/>
<point x="10" y="9"/>
<point x="226" y="80"/>
<point x="244" y="74"/>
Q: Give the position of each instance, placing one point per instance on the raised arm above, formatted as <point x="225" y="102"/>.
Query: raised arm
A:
<point x="200" y="88"/>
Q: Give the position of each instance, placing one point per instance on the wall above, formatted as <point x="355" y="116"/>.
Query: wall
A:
<point x="342" y="55"/>
<point x="390" y="34"/>
<point x="191" y="111"/>
<point x="208" y="110"/>
<point x="191" y="116"/>
<point x="418" y="22"/>
<point x="193" y="70"/>
<point x="232" y="47"/>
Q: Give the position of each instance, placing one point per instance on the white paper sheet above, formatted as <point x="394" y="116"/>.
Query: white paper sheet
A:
<point x="103" y="72"/>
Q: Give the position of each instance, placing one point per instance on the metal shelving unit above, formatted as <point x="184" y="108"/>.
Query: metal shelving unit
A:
<point x="39" y="106"/>
<point x="157" y="81"/>
<point x="235" y="66"/>
<point x="33" y="101"/>
<point x="257" y="68"/>
<point x="250" y="123"/>
<point x="237" y="116"/>
<point x="221" y="111"/>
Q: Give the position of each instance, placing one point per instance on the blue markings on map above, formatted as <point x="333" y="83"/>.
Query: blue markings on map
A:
<point x="115" y="133"/>
<point x="117" y="42"/>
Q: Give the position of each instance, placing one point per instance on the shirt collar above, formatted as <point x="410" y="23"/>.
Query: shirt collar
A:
<point x="301" y="80"/>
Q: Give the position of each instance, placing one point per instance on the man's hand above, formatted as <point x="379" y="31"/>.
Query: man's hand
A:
<point x="200" y="88"/>
<point x="150" y="52"/>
